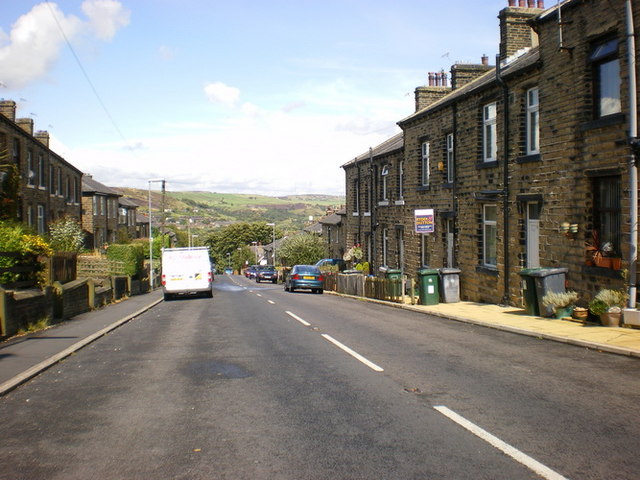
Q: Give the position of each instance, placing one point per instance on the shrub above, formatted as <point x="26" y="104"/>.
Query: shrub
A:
<point x="131" y="254"/>
<point x="15" y="239"/>
<point x="560" y="299"/>
<point x="66" y="235"/>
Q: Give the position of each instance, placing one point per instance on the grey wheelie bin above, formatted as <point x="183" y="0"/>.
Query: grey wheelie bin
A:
<point x="450" y="285"/>
<point x="537" y="282"/>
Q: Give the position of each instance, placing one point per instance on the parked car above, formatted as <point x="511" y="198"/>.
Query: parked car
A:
<point x="251" y="271"/>
<point x="228" y="271"/>
<point x="341" y="264"/>
<point x="304" y="277"/>
<point x="267" y="273"/>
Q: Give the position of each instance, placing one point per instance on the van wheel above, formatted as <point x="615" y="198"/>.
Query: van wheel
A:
<point x="167" y="297"/>
<point x="320" y="291"/>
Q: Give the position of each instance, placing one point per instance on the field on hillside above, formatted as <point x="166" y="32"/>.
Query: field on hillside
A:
<point x="207" y="208"/>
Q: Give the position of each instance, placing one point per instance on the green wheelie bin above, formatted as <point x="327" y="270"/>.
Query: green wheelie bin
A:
<point x="428" y="280"/>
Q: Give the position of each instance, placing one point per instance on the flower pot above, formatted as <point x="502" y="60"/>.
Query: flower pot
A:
<point x="616" y="263"/>
<point x="562" y="312"/>
<point x="610" y="319"/>
<point x="603" y="262"/>
<point x="580" y="313"/>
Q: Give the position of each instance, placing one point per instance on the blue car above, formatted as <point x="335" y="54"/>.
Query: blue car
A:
<point x="304" y="277"/>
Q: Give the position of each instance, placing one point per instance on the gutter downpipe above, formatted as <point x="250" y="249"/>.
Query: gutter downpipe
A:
<point x="633" y="169"/>
<point x="505" y="182"/>
<point x="372" y="218"/>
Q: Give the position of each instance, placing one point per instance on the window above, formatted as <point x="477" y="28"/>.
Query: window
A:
<point x="450" y="159"/>
<point x="42" y="179"/>
<point x="400" y="182"/>
<point x="75" y="190"/>
<point x="15" y="152"/>
<point x="41" y="219"/>
<point x="606" y="215"/>
<point x="489" y="235"/>
<point x="607" y="82"/>
<point x="59" y="182"/>
<point x="356" y="198"/>
<point x="385" y="245"/>
<point x="424" y="254"/>
<point x="51" y="179"/>
<point x="384" y="187"/>
<point x="425" y="164"/>
<point x="489" y="137"/>
<point x="30" y="215"/>
<point x="31" y="174"/>
<point x="533" y="122"/>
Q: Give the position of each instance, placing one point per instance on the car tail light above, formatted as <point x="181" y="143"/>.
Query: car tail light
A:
<point x="209" y="277"/>
<point x="164" y="279"/>
<point x="295" y="277"/>
<point x="320" y="279"/>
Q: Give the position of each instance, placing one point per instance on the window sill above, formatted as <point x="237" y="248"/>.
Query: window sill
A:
<point x="487" y="270"/>
<point x="356" y="214"/>
<point x="424" y="188"/>
<point x="383" y="203"/>
<point x="366" y="214"/>
<point x="602" y="272"/>
<point x="534" y="157"/>
<point x="609" y="120"/>
<point x="399" y="202"/>
<point x="490" y="164"/>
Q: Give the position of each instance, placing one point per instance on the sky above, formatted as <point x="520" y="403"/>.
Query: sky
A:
<point x="243" y="96"/>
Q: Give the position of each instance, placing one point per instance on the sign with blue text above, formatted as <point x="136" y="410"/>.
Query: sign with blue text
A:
<point x="425" y="220"/>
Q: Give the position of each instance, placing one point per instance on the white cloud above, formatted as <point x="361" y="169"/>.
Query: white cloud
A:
<point x="106" y="17"/>
<point x="33" y="45"/>
<point x="220" y="93"/>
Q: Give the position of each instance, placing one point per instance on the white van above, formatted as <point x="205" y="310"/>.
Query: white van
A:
<point x="186" y="271"/>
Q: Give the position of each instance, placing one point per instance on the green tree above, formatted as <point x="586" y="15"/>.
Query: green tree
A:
<point x="230" y="239"/>
<point x="9" y="188"/>
<point x="305" y="248"/>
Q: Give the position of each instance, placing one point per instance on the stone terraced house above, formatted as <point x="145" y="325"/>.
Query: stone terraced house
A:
<point x="523" y="163"/>
<point x="48" y="185"/>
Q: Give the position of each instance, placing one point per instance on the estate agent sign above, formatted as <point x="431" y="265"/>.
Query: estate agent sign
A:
<point x="424" y="220"/>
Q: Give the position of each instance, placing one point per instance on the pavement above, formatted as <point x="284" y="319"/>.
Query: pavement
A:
<point x="23" y="357"/>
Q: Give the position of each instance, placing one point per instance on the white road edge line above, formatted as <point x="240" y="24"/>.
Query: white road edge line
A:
<point x="356" y="355"/>
<point x="293" y="315"/>
<point x="513" y="452"/>
<point x="271" y="302"/>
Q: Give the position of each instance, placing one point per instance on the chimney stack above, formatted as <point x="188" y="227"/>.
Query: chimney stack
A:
<point x="8" y="109"/>
<point x="515" y="32"/>
<point x="436" y="89"/>
<point x="43" y="137"/>
<point x="25" y="124"/>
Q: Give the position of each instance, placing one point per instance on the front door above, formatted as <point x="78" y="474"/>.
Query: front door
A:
<point x="533" y="235"/>
<point x="450" y="242"/>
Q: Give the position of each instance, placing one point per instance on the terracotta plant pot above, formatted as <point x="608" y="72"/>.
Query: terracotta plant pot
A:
<point x="580" y="313"/>
<point x="611" y="319"/>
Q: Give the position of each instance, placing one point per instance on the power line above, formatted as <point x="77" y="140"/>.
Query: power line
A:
<point x="86" y="76"/>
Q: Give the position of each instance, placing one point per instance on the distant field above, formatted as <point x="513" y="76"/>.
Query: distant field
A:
<point x="291" y="212"/>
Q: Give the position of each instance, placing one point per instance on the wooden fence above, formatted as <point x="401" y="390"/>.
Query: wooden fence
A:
<point x="388" y="289"/>
<point x="99" y="267"/>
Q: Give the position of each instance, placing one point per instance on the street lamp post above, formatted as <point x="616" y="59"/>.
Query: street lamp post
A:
<point x="274" y="241"/>
<point x="151" y="232"/>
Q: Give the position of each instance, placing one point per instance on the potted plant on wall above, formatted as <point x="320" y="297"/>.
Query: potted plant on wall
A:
<point x="608" y="305"/>
<point x="562" y="303"/>
<point x="601" y="254"/>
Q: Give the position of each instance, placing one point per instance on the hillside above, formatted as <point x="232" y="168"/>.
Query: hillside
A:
<point x="211" y="209"/>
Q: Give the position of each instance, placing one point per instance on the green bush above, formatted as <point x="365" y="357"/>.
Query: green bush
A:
<point x="66" y="235"/>
<point x="15" y="239"/>
<point x="131" y="254"/>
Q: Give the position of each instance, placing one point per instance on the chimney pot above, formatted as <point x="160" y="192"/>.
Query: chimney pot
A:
<point x="532" y="3"/>
<point x="540" y="3"/>
<point x="431" y="79"/>
<point x="522" y="3"/>
<point x="512" y="3"/>
<point x="485" y="59"/>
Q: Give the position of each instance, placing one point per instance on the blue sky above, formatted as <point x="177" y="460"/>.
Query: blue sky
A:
<point x="245" y="96"/>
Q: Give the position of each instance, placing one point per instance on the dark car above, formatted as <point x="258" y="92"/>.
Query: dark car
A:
<point x="250" y="272"/>
<point x="304" y="277"/>
<point x="338" y="262"/>
<point x="267" y="273"/>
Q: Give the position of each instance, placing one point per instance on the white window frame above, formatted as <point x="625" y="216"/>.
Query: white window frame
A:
<point x="384" y="184"/>
<point x="42" y="178"/>
<point x="533" y="121"/>
<point x="59" y="183"/>
<point x="489" y="133"/>
<point x="425" y="153"/>
<point x="450" y="158"/>
<point x="41" y="219"/>
<point x="31" y="174"/>
<point x="490" y="235"/>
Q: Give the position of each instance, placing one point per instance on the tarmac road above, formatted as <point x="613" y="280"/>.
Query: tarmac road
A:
<point x="259" y="383"/>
